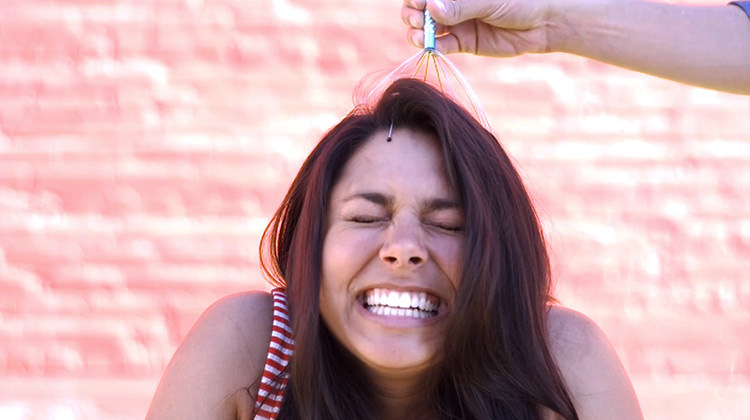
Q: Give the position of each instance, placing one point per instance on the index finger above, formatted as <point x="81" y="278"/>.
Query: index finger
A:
<point x="412" y="17"/>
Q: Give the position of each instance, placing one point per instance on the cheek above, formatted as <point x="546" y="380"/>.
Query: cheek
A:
<point x="345" y="253"/>
<point x="449" y="255"/>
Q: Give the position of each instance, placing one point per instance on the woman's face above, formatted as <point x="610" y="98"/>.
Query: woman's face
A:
<point x="392" y="253"/>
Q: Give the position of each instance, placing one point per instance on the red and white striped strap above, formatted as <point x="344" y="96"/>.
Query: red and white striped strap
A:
<point x="275" y="374"/>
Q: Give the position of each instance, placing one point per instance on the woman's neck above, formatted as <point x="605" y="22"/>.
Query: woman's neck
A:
<point x="402" y="394"/>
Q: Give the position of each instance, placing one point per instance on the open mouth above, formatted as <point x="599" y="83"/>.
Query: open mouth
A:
<point x="405" y="304"/>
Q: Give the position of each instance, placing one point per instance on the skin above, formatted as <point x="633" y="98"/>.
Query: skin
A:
<point x="401" y="243"/>
<point x="223" y="353"/>
<point x="705" y="46"/>
<point x="386" y="232"/>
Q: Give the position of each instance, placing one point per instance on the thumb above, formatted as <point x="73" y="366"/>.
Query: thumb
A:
<point x="450" y="12"/>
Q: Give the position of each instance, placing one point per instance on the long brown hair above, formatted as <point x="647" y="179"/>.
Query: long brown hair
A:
<point x="497" y="363"/>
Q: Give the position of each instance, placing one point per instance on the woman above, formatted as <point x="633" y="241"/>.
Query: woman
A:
<point x="418" y="288"/>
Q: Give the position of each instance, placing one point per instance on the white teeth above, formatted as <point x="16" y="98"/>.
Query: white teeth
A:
<point x="383" y="298"/>
<point x="393" y="299"/>
<point x="393" y="303"/>
<point x="405" y="300"/>
<point x="388" y="311"/>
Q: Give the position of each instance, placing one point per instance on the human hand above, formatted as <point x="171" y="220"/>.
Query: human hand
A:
<point x="501" y="28"/>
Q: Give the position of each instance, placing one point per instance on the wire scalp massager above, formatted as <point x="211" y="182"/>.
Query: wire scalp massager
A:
<point x="431" y="66"/>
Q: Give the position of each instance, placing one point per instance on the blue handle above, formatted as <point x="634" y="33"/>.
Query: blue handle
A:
<point x="429" y="31"/>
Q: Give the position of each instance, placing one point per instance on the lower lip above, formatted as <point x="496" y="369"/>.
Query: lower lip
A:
<point x="398" y="321"/>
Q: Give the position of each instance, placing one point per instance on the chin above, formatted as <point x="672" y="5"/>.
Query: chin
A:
<point x="392" y="355"/>
<point x="387" y="343"/>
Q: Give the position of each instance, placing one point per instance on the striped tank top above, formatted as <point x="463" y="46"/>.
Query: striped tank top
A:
<point x="275" y="373"/>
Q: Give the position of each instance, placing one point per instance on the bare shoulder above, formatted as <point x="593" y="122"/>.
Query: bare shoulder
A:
<point x="595" y="377"/>
<point x="215" y="371"/>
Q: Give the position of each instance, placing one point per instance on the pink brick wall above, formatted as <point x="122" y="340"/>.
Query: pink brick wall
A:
<point x="145" y="143"/>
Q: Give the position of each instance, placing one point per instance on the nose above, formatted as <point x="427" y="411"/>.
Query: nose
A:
<point x="403" y="247"/>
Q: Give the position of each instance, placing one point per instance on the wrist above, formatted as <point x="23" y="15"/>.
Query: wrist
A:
<point x="566" y="23"/>
<point x="557" y="25"/>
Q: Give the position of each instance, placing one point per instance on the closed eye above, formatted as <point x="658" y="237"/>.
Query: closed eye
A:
<point x="367" y="219"/>
<point x="447" y="227"/>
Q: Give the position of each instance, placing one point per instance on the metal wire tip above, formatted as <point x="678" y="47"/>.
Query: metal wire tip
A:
<point x="430" y="66"/>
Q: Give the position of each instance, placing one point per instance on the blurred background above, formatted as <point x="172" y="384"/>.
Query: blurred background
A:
<point x="144" y="145"/>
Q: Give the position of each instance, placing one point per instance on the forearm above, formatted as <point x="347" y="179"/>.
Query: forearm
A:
<point x="704" y="46"/>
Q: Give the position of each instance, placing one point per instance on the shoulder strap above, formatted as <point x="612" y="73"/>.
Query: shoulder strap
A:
<point x="275" y="373"/>
<point x="744" y="5"/>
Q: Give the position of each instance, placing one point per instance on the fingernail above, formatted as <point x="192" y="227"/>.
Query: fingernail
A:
<point x="417" y="40"/>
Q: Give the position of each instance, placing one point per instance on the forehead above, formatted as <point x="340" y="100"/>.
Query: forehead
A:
<point x="411" y="163"/>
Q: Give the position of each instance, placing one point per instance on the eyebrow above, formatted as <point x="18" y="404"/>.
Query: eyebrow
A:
<point x="436" y="204"/>
<point x="383" y="200"/>
<point x="373" y="197"/>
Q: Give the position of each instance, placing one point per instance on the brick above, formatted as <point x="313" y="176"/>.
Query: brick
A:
<point x="145" y="145"/>
<point x="194" y="277"/>
<point x="81" y="398"/>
